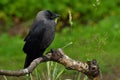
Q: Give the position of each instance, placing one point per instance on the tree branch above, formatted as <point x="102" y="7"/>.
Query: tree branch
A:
<point x="89" y="68"/>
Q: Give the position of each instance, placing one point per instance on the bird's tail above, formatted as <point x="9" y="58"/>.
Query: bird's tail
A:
<point x="32" y="51"/>
<point x="28" y="60"/>
<point x="31" y="57"/>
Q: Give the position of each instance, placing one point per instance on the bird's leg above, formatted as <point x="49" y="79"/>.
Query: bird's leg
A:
<point x="56" y="55"/>
<point x="53" y="51"/>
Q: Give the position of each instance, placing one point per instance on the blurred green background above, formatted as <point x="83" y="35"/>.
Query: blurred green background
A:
<point x="95" y="32"/>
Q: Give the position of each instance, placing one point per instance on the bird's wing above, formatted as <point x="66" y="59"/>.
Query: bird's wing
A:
<point x="36" y="32"/>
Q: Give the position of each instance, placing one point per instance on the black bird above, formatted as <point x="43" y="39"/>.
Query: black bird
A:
<point x="40" y="35"/>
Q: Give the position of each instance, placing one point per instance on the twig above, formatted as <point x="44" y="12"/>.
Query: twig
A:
<point x="89" y="68"/>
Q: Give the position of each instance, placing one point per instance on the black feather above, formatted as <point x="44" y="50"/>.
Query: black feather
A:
<point x="39" y="37"/>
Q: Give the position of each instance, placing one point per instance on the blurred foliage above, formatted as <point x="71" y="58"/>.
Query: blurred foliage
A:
<point x="100" y="42"/>
<point x="95" y="32"/>
<point x="83" y="11"/>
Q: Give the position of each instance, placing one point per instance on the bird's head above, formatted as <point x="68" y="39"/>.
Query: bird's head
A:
<point x="46" y="14"/>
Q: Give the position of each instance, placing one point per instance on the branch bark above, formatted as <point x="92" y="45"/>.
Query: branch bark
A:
<point x="89" y="68"/>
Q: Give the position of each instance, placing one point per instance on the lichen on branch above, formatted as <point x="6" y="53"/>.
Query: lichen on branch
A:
<point x="89" y="68"/>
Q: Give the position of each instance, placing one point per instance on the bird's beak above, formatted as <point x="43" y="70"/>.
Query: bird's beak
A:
<point x="56" y="19"/>
<point x="57" y="15"/>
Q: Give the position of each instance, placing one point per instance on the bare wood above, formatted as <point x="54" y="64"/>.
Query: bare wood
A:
<point x="89" y="68"/>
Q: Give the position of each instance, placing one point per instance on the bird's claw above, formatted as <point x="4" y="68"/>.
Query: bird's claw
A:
<point x="53" y="51"/>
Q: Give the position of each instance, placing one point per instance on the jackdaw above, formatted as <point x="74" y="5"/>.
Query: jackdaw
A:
<point x="40" y="35"/>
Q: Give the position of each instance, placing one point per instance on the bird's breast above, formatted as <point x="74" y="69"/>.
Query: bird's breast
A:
<point x="48" y="37"/>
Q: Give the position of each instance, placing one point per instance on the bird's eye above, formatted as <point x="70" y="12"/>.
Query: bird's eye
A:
<point x="49" y="14"/>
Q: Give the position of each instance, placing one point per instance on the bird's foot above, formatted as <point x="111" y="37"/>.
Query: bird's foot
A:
<point x="56" y="54"/>
<point x="53" y="51"/>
